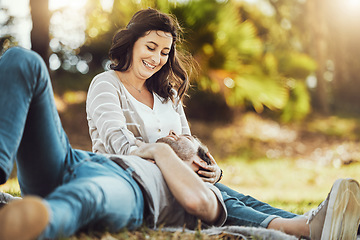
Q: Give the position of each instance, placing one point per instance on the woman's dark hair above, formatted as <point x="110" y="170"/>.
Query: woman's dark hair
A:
<point x="173" y="74"/>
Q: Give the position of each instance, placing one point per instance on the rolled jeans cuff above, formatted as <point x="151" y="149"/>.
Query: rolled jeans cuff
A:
<point x="267" y="220"/>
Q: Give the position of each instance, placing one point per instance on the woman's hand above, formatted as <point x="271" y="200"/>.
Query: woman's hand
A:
<point x="210" y="173"/>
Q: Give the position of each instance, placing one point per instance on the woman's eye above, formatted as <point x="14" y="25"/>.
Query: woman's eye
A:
<point x="151" y="49"/>
<point x="165" y="54"/>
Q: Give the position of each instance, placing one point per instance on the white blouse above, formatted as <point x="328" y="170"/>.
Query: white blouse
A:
<point x="157" y="121"/>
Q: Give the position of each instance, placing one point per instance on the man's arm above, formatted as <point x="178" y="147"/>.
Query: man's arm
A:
<point x="186" y="186"/>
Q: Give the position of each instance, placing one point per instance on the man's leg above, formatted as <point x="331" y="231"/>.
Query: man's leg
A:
<point x="30" y="129"/>
<point x="247" y="211"/>
<point x="97" y="194"/>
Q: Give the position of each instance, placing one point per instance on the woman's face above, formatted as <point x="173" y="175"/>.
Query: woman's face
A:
<point x="150" y="53"/>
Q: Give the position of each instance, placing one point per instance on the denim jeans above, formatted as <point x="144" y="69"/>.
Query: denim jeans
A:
<point x="247" y="211"/>
<point x="80" y="188"/>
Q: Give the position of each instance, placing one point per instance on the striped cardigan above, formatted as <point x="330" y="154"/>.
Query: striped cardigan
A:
<point x="114" y="124"/>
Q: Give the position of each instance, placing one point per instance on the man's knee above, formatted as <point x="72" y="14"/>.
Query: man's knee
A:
<point x="23" y="64"/>
<point x="20" y="59"/>
<point x="20" y="53"/>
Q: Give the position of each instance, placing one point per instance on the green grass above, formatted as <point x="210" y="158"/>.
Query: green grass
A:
<point x="11" y="186"/>
<point x="295" y="186"/>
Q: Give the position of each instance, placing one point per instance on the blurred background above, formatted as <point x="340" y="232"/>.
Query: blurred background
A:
<point x="276" y="96"/>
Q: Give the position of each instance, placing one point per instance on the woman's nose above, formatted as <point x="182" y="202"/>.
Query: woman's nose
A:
<point x="156" y="58"/>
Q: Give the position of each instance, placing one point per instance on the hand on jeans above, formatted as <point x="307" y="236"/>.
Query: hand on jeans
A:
<point x="210" y="173"/>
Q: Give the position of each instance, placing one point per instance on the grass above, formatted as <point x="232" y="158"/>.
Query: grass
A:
<point x="11" y="186"/>
<point x="291" y="185"/>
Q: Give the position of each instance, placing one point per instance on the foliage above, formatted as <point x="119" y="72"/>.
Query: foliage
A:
<point x="249" y="57"/>
<point x="257" y="56"/>
<point x="236" y="47"/>
<point x="242" y="64"/>
<point x="298" y="105"/>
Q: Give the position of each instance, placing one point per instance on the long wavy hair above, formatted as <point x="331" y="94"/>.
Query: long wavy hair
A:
<point x="173" y="74"/>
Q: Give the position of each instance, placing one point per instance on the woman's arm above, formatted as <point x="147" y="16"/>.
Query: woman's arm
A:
<point x="108" y="127"/>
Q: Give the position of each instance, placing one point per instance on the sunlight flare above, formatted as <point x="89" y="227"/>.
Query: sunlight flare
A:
<point x="56" y="4"/>
<point x="351" y="6"/>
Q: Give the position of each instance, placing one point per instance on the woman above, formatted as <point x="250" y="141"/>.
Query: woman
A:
<point x="146" y="85"/>
<point x="141" y="96"/>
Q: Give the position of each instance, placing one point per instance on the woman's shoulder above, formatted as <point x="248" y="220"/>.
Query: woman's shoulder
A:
<point x="105" y="78"/>
<point x="109" y="75"/>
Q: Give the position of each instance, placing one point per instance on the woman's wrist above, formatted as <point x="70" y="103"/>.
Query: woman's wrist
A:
<point x="221" y="176"/>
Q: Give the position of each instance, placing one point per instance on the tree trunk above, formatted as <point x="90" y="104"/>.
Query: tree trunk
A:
<point x="40" y="39"/>
<point x="319" y="51"/>
<point x="345" y="33"/>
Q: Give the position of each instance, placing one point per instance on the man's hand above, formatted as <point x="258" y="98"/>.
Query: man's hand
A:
<point x="210" y="173"/>
<point x="149" y="151"/>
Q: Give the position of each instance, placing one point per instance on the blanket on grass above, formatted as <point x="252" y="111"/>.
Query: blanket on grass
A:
<point x="245" y="233"/>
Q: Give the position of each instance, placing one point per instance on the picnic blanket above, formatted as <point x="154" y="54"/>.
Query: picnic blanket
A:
<point x="240" y="232"/>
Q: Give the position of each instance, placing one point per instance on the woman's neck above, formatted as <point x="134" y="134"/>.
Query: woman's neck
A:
<point x="130" y="81"/>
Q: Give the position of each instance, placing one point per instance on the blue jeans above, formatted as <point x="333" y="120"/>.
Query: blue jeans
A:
<point x="80" y="188"/>
<point x="247" y="211"/>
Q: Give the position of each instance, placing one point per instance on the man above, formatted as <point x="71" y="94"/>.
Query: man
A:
<point x="80" y="189"/>
<point x="74" y="188"/>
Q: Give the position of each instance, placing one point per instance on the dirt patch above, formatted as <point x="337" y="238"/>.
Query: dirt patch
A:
<point x="258" y="137"/>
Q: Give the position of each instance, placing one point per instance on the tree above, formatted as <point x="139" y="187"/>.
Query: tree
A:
<point x="40" y="32"/>
<point x="343" y="20"/>
<point x="318" y="47"/>
<point x="327" y="31"/>
<point x="6" y="40"/>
